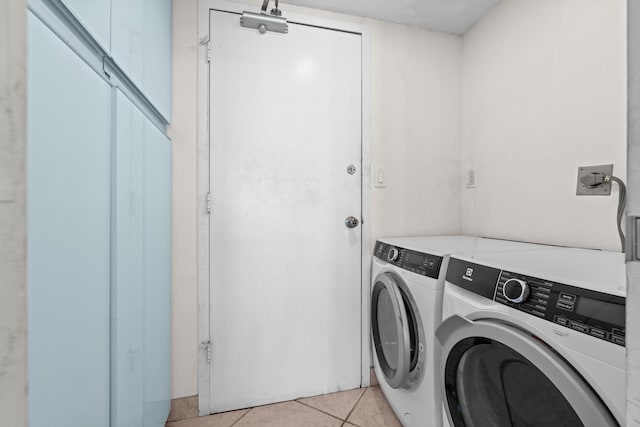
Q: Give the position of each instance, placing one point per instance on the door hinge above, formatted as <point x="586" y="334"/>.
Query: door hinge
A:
<point x="206" y="41"/>
<point x="208" y="202"/>
<point x="206" y="346"/>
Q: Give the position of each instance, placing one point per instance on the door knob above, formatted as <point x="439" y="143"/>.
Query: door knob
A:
<point x="351" y="222"/>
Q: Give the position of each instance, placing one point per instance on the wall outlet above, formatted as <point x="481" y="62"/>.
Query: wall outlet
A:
<point x="471" y="178"/>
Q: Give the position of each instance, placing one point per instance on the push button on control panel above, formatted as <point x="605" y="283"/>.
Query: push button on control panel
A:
<point x="580" y="327"/>
<point x="566" y="301"/>
<point x="618" y="336"/>
<point x="564" y="306"/>
<point x="618" y="339"/>
<point x="561" y="321"/>
<point x="599" y="333"/>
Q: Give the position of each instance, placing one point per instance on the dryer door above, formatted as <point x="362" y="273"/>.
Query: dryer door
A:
<point x="398" y="334"/>
<point x="495" y="374"/>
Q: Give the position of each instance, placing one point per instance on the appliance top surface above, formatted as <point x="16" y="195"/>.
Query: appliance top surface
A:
<point x="446" y="245"/>
<point x="600" y="271"/>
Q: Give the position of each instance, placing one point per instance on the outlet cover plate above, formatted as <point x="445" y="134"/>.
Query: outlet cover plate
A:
<point x="601" y="190"/>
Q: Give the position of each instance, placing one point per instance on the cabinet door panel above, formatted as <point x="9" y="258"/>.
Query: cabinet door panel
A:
<point x="157" y="276"/>
<point x="68" y="235"/>
<point x="141" y="46"/>
<point x="95" y="16"/>
<point x="127" y="288"/>
<point x="141" y="326"/>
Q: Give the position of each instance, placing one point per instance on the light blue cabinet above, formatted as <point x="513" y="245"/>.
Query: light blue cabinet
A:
<point x="136" y="35"/>
<point x="157" y="276"/>
<point x="68" y="235"/>
<point x="141" y="47"/>
<point x="99" y="223"/>
<point x="95" y="17"/>
<point x="141" y="319"/>
<point x="127" y="334"/>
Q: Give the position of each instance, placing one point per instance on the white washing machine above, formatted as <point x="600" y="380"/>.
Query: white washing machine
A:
<point x="407" y="283"/>
<point x="534" y="339"/>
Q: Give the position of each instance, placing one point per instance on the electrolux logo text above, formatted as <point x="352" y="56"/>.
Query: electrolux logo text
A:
<point x="468" y="274"/>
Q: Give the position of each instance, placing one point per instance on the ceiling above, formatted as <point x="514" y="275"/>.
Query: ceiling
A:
<point x="452" y="16"/>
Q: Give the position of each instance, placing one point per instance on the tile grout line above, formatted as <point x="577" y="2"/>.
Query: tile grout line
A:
<point x="356" y="405"/>
<point x="188" y="417"/>
<point x="319" y="410"/>
<point x="308" y="406"/>
<point x="242" y="416"/>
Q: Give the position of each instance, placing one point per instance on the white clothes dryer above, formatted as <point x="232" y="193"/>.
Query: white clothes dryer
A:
<point x="406" y="308"/>
<point x="534" y="339"/>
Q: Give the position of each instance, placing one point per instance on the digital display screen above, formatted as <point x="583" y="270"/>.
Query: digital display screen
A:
<point x="601" y="310"/>
<point x="414" y="259"/>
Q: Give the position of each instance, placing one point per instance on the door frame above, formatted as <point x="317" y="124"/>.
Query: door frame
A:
<point x="293" y="14"/>
<point x="633" y="210"/>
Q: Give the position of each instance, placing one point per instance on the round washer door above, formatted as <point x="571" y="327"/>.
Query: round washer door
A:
<point x="398" y="333"/>
<point x="495" y="374"/>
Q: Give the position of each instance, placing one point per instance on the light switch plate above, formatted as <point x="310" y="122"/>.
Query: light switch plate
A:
<point x="379" y="178"/>
<point x="471" y="178"/>
<point x="601" y="190"/>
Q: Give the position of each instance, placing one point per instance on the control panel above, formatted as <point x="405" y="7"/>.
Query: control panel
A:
<point x="407" y="259"/>
<point x="537" y="298"/>
<point x="597" y="314"/>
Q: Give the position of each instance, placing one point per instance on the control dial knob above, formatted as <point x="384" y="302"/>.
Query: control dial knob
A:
<point x="393" y="254"/>
<point x="515" y="290"/>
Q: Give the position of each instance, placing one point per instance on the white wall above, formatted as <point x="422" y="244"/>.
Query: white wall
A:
<point x="416" y="130"/>
<point x="415" y="137"/>
<point x="13" y="270"/>
<point x="544" y="91"/>
<point x="183" y="133"/>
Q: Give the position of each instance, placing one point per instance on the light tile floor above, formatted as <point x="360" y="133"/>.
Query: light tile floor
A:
<point x="364" y="407"/>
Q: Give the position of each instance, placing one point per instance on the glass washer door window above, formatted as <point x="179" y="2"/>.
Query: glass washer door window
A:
<point x="496" y="375"/>
<point x="398" y="334"/>
<point x="495" y="384"/>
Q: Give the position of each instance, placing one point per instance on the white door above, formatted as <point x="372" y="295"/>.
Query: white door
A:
<point x="285" y="125"/>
